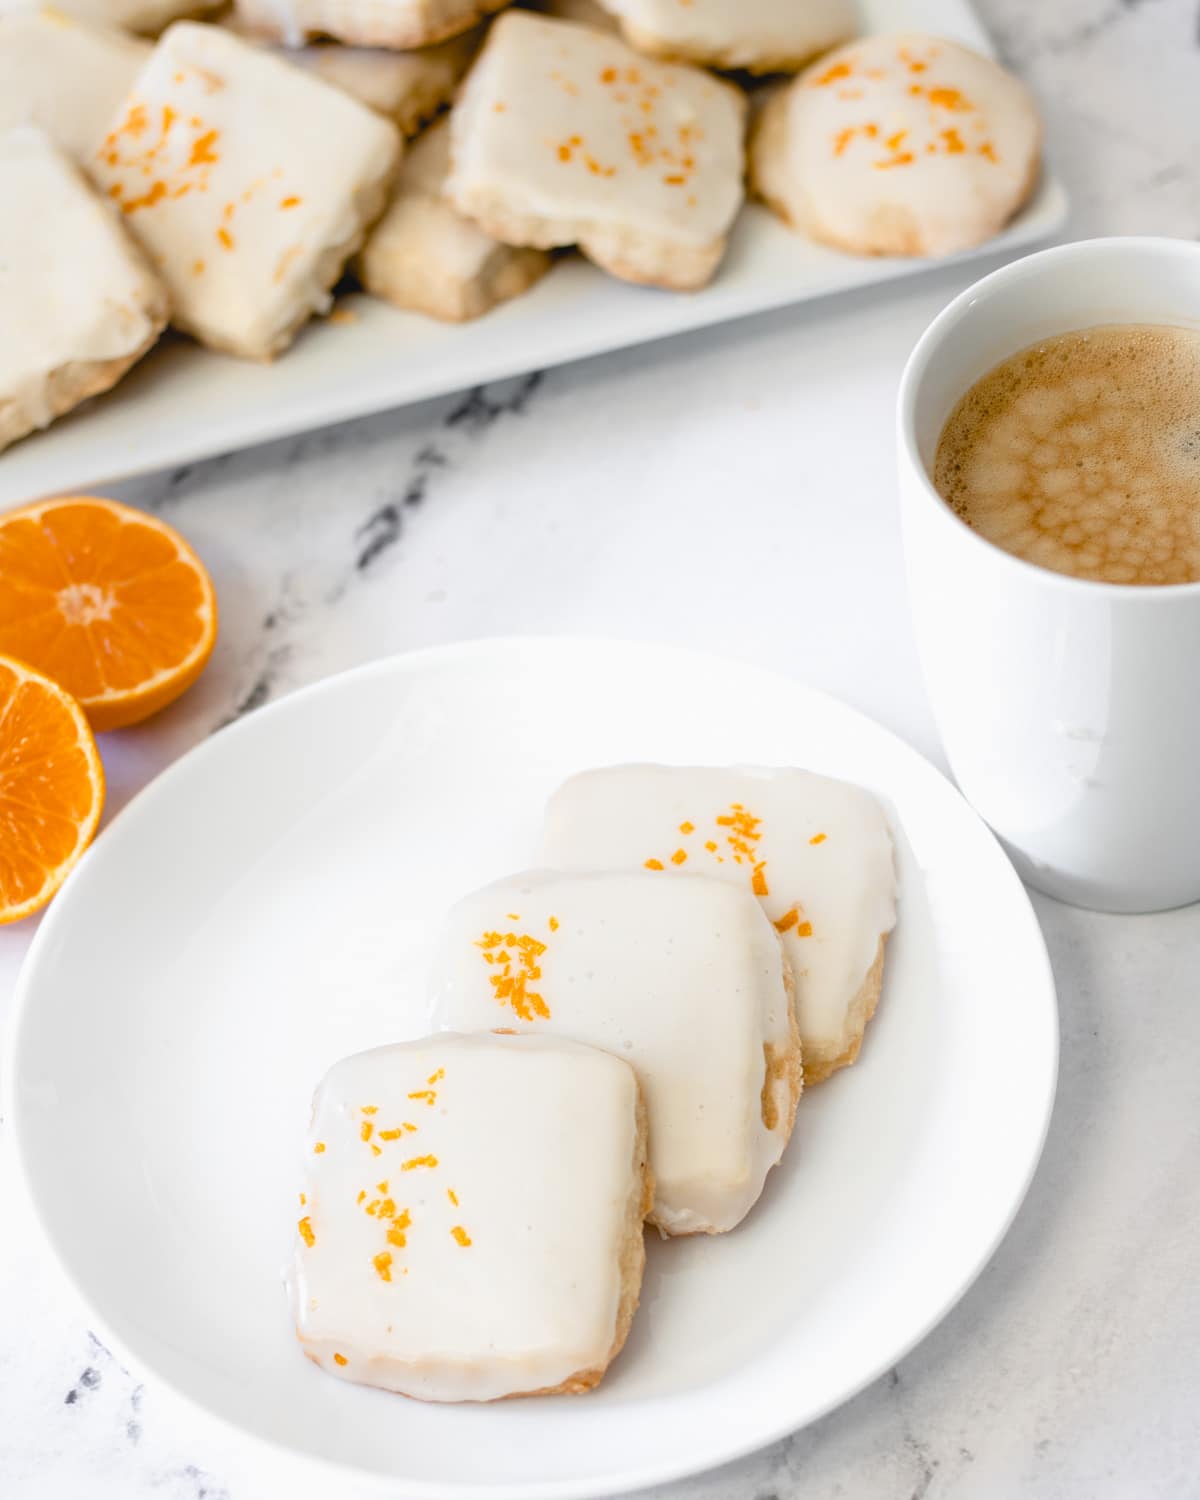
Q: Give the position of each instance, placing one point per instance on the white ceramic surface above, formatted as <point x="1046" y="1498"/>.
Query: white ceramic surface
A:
<point x="1068" y="708"/>
<point x="258" y="912"/>
<point x="184" y="403"/>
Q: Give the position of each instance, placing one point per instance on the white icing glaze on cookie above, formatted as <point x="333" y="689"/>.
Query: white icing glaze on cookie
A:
<point x="904" y="145"/>
<point x="761" y="35"/>
<point x="248" y="184"/>
<point x="424" y="255"/>
<point x="564" y="135"/>
<point x="66" y="76"/>
<point x="817" y="852"/>
<point x="73" y="289"/>
<point x="463" y="1229"/>
<point x="683" y="978"/>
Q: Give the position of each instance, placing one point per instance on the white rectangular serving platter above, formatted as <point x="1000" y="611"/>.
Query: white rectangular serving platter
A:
<point x="184" y="403"/>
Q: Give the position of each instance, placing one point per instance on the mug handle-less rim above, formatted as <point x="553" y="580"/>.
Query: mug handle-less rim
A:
<point x="927" y="351"/>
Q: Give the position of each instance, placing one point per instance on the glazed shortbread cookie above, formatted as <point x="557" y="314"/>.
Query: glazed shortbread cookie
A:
<point x="815" y="851"/>
<point x="364" y="23"/>
<point x="248" y="184"/>
<point x="470" y="1225"/>
<point x="78" y="304"/>
<point x="684" y="979"/>
<point x="425" y="256"/>
<point x="67" y="76"/>
<point x="899" y="145"/>
<point x="762" y="36"/>
<point x="409" y="88"/>
<point x="564" y="136"/>
<point x="145" y="16"/>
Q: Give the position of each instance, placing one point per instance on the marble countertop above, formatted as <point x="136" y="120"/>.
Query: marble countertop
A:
<point x="607" y="498"/>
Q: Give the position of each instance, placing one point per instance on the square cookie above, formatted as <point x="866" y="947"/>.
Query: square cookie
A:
<point x="684" y="979"/>
<point x="247" y="183"/>
<point x="67" y="76"/>
<point x="564" y="135"/>
<point x="423" y="255"/>
<point x="815" y="851"/>
<point x="78" y="304"/>
<point x="470" y="1225"/>
<point x="364" y="23"/>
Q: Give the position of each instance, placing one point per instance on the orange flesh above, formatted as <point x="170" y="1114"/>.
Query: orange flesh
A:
<point x="107" y="601"/>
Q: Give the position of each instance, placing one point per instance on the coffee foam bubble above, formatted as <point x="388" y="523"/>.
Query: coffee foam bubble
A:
<point x="1082" y="454"/>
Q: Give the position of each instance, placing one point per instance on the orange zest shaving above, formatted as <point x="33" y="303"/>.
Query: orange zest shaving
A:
<point x="428" y="1095"/>
<point x="339" y="1359"/>
<point x="509" y="987"/>
<point x="419" y="1161"/>
<point x="453" y="1196"/>
<point x="686" y="828"/>
<point x="318" y="1148"/>
<point x="654" y="864"/>
<point x="461" y="1235"/>
<point x="436" y="1077"/>
<point x="553" y="924"/>
<point x="202" y="149"/>
<point x="365" y="1130"/>
<point x="395" y="1234"/>
<point x="804" y="929"/>
<point x="390" y="1135"/>
<point x="788" y="920"/>
<point x="817" y="838"/>
<point x="832" y="75"/>
<point x="383" y="1265"/>
<point x="304" y="1225"/>
<point x="679" y="857"/>
<point x="951" y="99"/>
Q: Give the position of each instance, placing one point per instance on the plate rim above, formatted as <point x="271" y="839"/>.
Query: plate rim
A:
<point x="665" y="1471"/>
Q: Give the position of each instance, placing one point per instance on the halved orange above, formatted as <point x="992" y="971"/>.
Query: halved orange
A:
<point x="110" y="602"/>
<point x="51" y="788"/>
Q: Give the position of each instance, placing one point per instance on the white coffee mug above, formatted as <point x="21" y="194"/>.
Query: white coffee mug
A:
<point x="1069" y="710"/>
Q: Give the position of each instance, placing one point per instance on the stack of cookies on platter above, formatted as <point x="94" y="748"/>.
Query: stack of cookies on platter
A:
<point x="226" y="177"/>
<point x="623" y="1036"/>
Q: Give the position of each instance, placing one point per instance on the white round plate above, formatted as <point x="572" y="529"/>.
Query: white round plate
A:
<point x="267" y="905"/>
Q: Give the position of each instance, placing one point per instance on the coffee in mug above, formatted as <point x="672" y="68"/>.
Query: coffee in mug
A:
<point x="1081" y="453"/>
